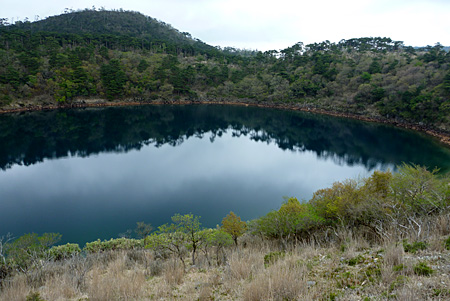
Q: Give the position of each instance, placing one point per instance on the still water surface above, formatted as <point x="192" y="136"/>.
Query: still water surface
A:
<point x="93" y="173"/>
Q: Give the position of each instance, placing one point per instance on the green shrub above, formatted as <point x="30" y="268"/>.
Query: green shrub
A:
<point x="64" y="251"/>
<point x="384" y="198"/>
<point x="29" y="248"/>
<point x="398" y="268"/>
<point x="5" y="271"/>
<point x="293" y="219"/>
<point x="398" y="282"/>
<point x="113" y="244"/>
<point x="422" y="269"/>
<point x="273" y="257"/>
<point x="419" y="191"/>
<point x="34" y="296"/>
<point x="356" y="260"/>
<point x="372" y="273"/>
<point x="414" y="247"/>
<point x="441" y="292"/>
<point x="447" y="243"/>
<point x="332" y="296"/>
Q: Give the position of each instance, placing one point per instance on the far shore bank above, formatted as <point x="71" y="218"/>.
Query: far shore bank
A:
<point x="442" y="136"/>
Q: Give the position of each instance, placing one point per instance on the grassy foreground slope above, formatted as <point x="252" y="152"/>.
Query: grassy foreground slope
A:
<point x="379" y="238"/>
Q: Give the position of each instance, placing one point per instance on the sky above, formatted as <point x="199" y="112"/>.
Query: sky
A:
<point x="272" y="25"/>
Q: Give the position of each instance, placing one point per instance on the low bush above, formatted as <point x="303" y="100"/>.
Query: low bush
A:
<point x="400" y="281"/>
<point x="384" y="205"/>
<point x="414" y="247"/>
<point x="447" y="244"/>
<point x="64" y="251"/>
<point x="29" y="249"/>
<point x="398" y="268"/>
<point x="34" y="296"/>
<point x="5" y="271"/>
<point x="273" y="257"/>
<point x="422" y="269"/>
<point x="356" y="260"/>
<point x="113" y="244"/>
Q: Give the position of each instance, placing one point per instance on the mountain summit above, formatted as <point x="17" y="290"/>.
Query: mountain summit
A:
<point x="118" y="23"/>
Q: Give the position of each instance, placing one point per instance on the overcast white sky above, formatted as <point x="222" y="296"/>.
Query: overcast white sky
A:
<point x="276" y="24"/>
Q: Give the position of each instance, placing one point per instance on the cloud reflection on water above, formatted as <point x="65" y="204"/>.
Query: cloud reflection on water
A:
<point x="90" y="184"/>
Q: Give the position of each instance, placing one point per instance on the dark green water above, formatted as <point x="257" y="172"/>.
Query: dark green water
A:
<point x="93" y="173"/>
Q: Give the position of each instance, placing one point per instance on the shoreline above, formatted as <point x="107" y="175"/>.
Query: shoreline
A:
<point x="442" y="136"/>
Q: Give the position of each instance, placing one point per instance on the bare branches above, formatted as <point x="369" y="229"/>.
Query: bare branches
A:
<point x="4" y="240"/>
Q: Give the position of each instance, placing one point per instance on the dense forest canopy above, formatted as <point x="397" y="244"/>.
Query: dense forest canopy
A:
<point x="123" y="55"/>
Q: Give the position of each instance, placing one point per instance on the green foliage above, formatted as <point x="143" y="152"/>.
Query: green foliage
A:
<point x="366" y="77"/>
<point x="143" y="65"/>
<point x="398" y="268"/>
<point x="34" y="296"/>
<point x="183" y="234"/>
<point x="272" y="257"/>
<point x="441" y="292"/>
<point x="446" y="84"/>
<point x="233" y="225"/>
<point x="113" y="244"/>
<point x="414" y="247"/>
<point x="64" y="251"/>
<point x="336" y="204"/>
<point x="5" y="267"/>
<point x="11" y="76"/>
<point x="123" y="54"/>
<point x="113" y="79"/>
<point x="378" y="183"/>
<point x="26" y="250"/>
<point x="30" y="62"/>
<point x="447" y="243"/>
<point x="422" y="269"/>
<point x="398" y="282"/>
<point x="142" y="229"/>
<point x="218" y="238"/>
<point x="418" y="190"/>
<point x="215" y="239"/>
<point x="291" y="221"/>
<point x="372" y="273"/>
<point x="332" y="296"/>
<point x="382" y="200"/>
<point x="375" y="67"/>
<point x="356" y="260"/>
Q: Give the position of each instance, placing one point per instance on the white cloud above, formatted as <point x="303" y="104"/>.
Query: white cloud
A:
<point x="278" y="24"/>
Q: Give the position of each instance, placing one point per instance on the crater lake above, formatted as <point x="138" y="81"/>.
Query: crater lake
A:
<point x="93" y="173"/>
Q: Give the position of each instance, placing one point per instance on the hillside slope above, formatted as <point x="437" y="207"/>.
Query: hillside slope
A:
<point x="117" y="56"/>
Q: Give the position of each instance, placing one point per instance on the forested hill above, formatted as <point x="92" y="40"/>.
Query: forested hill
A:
<point x="118" y="55"/>
<point x="115" y="28"/>
<point x="110" y="23"/>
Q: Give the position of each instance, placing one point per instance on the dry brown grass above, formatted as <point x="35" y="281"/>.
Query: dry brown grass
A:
<point x="173" y="272"/>
<point x="116" y="281"/>
<point x="57" y="288"/>
<point x="244" y="264"/>
<point x="15" y="289"/>
<point x="284" y="280"/>
<point x="350" y="270"/>
<point x="443" y="224"/>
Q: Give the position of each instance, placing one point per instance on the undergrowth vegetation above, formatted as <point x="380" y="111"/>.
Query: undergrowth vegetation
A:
<point x="382" y="237"/>
<point x="383" y="206"/>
